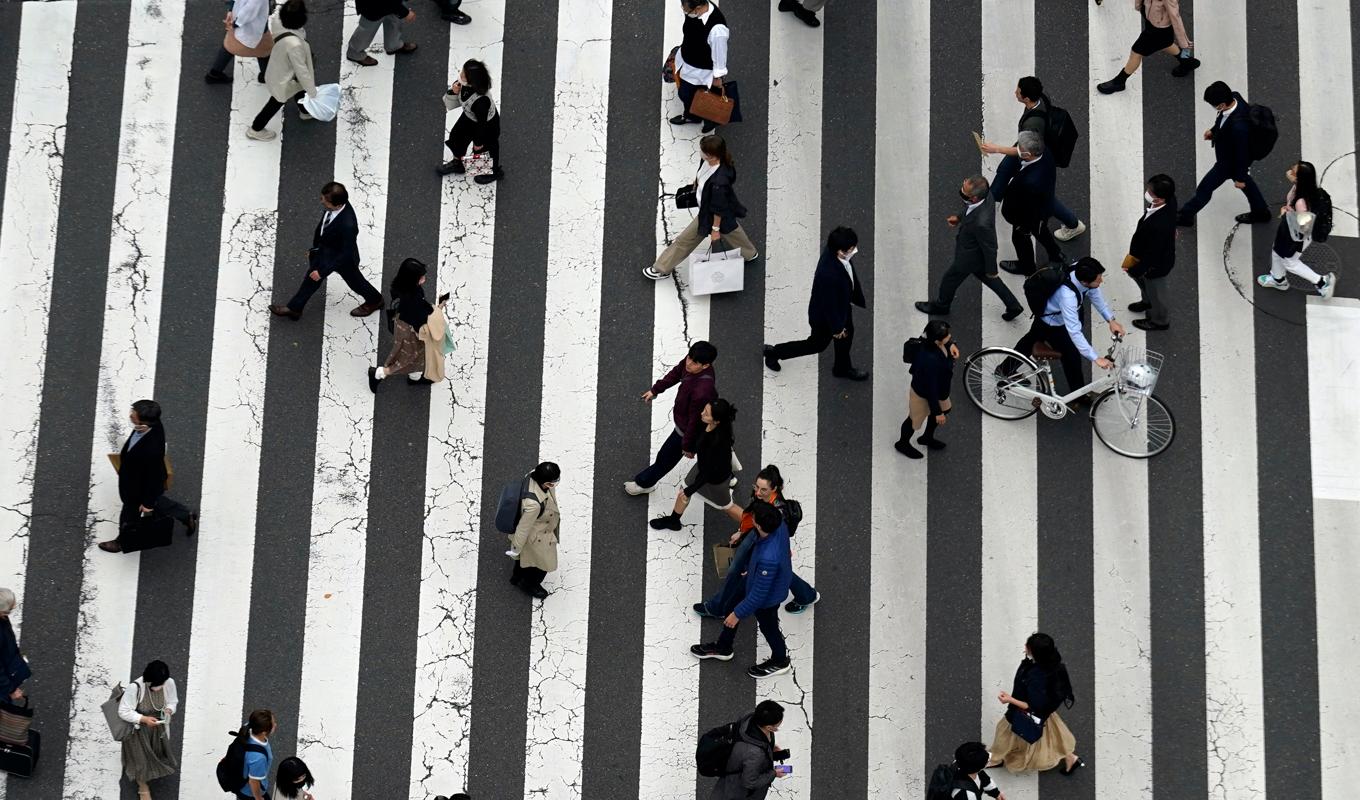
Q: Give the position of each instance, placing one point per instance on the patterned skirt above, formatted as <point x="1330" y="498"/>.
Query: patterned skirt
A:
<point x="408" y="351"/>
<point x="1019" y="755"/>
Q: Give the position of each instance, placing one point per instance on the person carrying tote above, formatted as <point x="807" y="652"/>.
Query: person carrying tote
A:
<point x="1031" y="735"/>
<point x="247" y="36"/>
<point x="719" y="210"/>
<point x="479" y="125"/>
<point x="932" y="372"/>
<point x="290" y="73"/>
<point x="148" y="704"/>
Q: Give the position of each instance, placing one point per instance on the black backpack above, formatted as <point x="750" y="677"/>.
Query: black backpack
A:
<point x="509" y="510"/>
<point x="1060" y="132"/>
<point x="231" y="769"/>
<point x="942" y="783"/>
<point x="1322" y="222"/>
<point x="1040" y="287"/>
<point x="1261" y="131"/>
<point x="793" y="514"/>
<point x="715" y="750"/>
<point x="911" y="348"/>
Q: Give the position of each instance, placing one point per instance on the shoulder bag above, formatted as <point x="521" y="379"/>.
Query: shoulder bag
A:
<point x="119" y="728"/>
<point x="15" y="721"/>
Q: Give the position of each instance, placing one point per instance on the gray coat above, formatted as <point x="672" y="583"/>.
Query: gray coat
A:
<point x="975" y="240"/>
<point x="751" y="765"/>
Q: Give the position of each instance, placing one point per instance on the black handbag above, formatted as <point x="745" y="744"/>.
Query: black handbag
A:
<point x="20" y="759"/>
<point x="146" y="532"/>
<point x="1024" y="725"/>
<point x="687" y="197"/>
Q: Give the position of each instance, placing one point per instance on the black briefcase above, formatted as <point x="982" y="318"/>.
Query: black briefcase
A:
<point x="147" y="532"/>
<point x="21" y="759"/>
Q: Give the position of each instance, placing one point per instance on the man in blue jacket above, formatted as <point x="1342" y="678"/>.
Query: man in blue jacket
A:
<point x="835" y="288"/>
<point x="767" y="584"/>
<point x="1232" y="158"/>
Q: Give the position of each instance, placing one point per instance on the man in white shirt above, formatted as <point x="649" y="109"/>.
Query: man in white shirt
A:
<point x="1060" y="324"/>
<point x="701" y="61"/>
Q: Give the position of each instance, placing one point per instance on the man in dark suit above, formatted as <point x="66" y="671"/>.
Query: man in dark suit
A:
<point x="335" y="248"/>
<point x="835" y="288"/>
<point x="974" y="251"/>
<point x="1152" y="252"/>
<point x="141" y="477"/>
<point x="1028" y="204"/>
<point x="1232" y="158"/>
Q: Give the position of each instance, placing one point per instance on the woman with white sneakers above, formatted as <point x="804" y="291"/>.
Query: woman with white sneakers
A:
<point x="1295" y="234"/>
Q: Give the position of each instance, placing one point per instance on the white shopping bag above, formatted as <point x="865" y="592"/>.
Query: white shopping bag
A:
<point x="714" y="273"/>
<point x="326" y="104"/>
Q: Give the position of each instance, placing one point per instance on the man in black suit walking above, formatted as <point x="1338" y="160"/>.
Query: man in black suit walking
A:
<point x="141" y="477"/>
<point x="335" y="248"/>
<point x="1229" y="137"/>
<point x="1028" y="204"/>
<point x="974" y="252"/>
<point x="835" y="288"/>
<point x="1152" y="252"/>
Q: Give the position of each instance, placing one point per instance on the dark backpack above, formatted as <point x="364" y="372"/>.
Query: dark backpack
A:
<point x="231" y="770"/>
<point x="715" y="750"/>
<point x="1040" y="287"/>
<point x="1060" y="132"/>
<point x="942" y="783"/>
<point x="911" y="348"/>
<point x="1322" y="222"/>
<point x="509" y="510"/>
<point x="793" y="514"/>
<point x="1261" y="131"/>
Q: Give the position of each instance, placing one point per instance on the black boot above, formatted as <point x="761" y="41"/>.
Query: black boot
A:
<point x="1115" y="84"/>
<point x="670" y="522"/>
<point x="903" y="445"/>
<point x="928" y="438"/>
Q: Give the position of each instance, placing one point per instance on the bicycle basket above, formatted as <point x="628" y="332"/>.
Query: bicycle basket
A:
<point x="1138" y="370"/>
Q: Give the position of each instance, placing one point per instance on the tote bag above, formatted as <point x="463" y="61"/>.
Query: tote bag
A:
<point x="119" y="728"/>
<point x="14" y="722"/>
<point x="715" y="273"/>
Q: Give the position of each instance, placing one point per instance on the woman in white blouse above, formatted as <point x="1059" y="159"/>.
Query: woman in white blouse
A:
<point x="149" y="703"/>
<point x="247" y="36"/>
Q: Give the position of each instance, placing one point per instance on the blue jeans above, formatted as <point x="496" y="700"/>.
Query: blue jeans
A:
<point x="733" y="587"/>
<point x="1011" y="165"/>
<point x="1213" y="179"/>
<point x="666" y="458"/>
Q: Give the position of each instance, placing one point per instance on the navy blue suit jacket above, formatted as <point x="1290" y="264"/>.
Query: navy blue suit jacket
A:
<point x="833" y="292"/>
<point x="1030" y="192"/>
<point x="1230" y="141"/>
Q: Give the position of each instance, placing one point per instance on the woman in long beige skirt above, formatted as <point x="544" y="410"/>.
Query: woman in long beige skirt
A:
<point x="1031" y="735"/>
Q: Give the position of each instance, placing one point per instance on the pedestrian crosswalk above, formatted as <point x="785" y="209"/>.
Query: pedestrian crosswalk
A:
<point x="346" y="573"/>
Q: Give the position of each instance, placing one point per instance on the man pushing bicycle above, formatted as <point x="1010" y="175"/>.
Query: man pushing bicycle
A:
<point x="1059" y="324"/>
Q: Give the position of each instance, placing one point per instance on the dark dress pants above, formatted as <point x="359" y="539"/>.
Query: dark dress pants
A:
<point x="768" y="620"/>
<point x="666" y="458"/>
<point x="1155" y="295"/>
<point x="487" y="135"/>
<point x="1024" y="248"/>
<point x="958" y="272"/>
<point x="353" y="278"/>
<point x="1057" y="338"/>
<point x="165" y="506"/>
<point x="527" y="577"/>
<point x="224" y="58"/>
<point x="271" y="107"/>
<point x="817" y="341"/>
<point x="686" y="91"/>
<point x="1213" y="179"/>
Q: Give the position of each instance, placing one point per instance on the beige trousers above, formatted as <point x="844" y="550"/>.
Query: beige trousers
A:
<point x="690" y="239"/>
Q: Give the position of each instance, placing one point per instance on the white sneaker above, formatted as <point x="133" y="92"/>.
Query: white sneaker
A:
<point x="265" y="135"/>
<point x="1328" y="287"/>
<point x="653" y="274"/>
<point x="1268" y="281"/>
<point x="1066" y="234"/>
<point x="632" y="488"/>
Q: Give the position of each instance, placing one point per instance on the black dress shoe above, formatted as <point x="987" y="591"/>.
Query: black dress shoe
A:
<point x="456" y="17"/>
<point x="1253" y="217"/>
<point x="285" y="311"/>
<point x="191" y="527"/>
<point x="681" y="119"/>
<point x="770" y="360"/>
<point x="808" y="17"/>
<point x="214" y="76"/>
<point x="1013" y="267"/>
<point x="932" y="308"/>
<point x="421" y="381"/>
<point x="1139" y="307"/>
<point x="1144" y="325"/>
<point x="494" y="175"/>
<point x="453" y="166"/>
<point x="852" y="374"/>
<point x="534" y="591"/>
<point x="373" y="379"/>
<point x="1012" y="313"/>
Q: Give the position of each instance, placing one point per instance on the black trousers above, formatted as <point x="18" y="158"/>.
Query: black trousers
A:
<point x="353" y="278"/>
<point x="271" y="107"/>
<point x="1214" y="178"/>
<point x="817" y="341"/>
<point x="1024" y="248"/>
<point x="224" y="58"/>
<point x="486" y="134"/>
<point x="958" y="273"/>
<point x="527" y="577"/>
<point x="1057" y="338"/>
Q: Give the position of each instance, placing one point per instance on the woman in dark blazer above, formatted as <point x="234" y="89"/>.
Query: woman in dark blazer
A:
<point x="932" y="372"/>
<point x="719" y="210"/>
<point x="1031" y="735"/>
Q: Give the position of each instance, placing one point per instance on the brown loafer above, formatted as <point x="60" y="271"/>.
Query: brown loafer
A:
<point x="409" y="47"/>
<point x="285" y="311"/>
<point x="365" y="309"/>
<point x="111" y="546"/>
<point x="366" y="61"/>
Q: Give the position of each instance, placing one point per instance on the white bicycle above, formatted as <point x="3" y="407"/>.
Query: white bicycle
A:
<point x="1126" y="416"/>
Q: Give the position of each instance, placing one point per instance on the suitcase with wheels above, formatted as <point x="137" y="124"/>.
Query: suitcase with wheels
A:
<point x="20" y="759"/>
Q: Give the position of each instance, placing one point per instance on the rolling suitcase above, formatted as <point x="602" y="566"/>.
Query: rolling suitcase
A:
<point x="20" y="759"/>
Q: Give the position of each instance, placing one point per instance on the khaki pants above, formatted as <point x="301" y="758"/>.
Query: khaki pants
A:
<point x="690" y="239"/>
<point x="918" y="409"/>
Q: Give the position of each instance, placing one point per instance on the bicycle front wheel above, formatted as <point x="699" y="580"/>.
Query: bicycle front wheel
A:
<point x="992" y="375"/>
<point x="1141" y="428"/>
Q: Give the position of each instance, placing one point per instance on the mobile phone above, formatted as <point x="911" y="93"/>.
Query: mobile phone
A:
<point x="784" y="769"/>
<point x="444" y="297"/>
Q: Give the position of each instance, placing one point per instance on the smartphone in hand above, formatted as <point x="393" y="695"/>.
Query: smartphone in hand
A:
<point x="444" y="298"/>
<point x="783" y="769"/>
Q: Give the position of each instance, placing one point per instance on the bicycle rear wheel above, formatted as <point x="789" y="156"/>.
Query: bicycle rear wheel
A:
<point x="989" y="375"/>
<point x="1141" y="430"/>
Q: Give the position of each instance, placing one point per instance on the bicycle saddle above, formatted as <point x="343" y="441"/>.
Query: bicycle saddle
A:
<point x="1044" y="352"/>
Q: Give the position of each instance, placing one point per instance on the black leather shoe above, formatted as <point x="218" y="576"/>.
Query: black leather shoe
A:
<point x="1144" y="325"/>
<point x="285" y="311"/>
<point x="1013" y="267"/>
<point x="214" y="76"/>
<point x="852" y="374"/>
<point x="1012" y="313"/>
<point x="681" y="119"/>
<point x="535" y="591"/>
<point x="1139" y="307"/>
<point x="808" y="17"/>
<point x="421" y="381"/>
<point x="456" y="17"/>
<point x="770" y="360"/>
<point x="191" y="527"/>
<point x="932" y="308"/>
<point x="373" y="380"/>
<point x="491" y="177"/>
<point x="1253" y="217"/>
<point x="453" y="166"/>
<point x="1187" y="66"/>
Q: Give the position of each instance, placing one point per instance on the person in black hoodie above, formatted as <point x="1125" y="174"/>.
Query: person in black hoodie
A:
<point x="932" y="372"/>
<point x="719" y="210"/>
<point x="1031" y="735"/>
<point x="141" y="479"/>
<point x="709" y="477"/>
<point x="1152" y="252"/>
<point x="1229" y="136"/>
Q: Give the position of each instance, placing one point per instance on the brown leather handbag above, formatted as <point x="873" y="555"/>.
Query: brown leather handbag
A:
<point x="716" y="108"/>
<point x="233" y="45"/>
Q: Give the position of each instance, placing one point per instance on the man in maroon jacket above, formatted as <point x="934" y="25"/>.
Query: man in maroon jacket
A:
<point x="698" y="388"/>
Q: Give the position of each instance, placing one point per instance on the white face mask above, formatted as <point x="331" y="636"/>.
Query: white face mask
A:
<point x="1148" y="199"/>
<point x="849" y="254"/>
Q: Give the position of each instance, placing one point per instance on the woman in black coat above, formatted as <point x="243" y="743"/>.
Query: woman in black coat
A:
<point x="932" y="372"/>
<point x="712" y="471"/>
<point x="719" y="210"/>
<point x="1031" y="735"/>
<point x="13" y="668"/>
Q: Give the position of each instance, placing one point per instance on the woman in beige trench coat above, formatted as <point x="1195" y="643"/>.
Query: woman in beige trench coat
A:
<point x="533" y="545"/>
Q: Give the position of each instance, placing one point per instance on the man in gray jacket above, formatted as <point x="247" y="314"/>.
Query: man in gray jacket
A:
<point x="750" y="767"/>
<point x="974" y="252"/>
